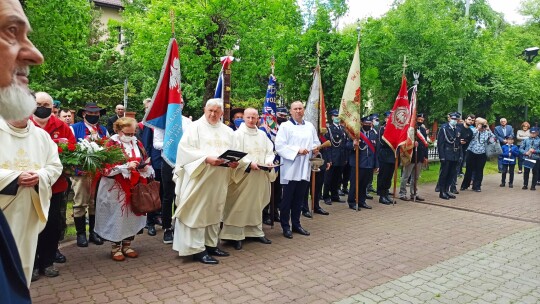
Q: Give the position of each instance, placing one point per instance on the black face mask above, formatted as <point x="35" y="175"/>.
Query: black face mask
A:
<point x="281" y="120"/>
<point x="43" y="112"/>
<point x="92" y="119"/>
<point x="419" y="124"/>
<point x="366" y="128"/>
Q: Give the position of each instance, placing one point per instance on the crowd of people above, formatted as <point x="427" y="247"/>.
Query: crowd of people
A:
<point x="208" y="197"/>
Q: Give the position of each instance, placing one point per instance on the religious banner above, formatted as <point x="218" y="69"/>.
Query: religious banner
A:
<point x="269" y="118"/>
<point x="166" y="110"/>
<point x="223" y="87"/>
<point x="350" y="107"/>
<point x="395" y="132"/>
<point x="315" y="107"/>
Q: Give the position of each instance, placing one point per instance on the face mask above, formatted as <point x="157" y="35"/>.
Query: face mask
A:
<point x="419" y="124"/>
<point x="453" y="122"/>
<point x="92" y="119"/>
<point x="376" y="123"/>
<point x="366" y="128"/>
<point x="336" y="120"/>
<point x="281" y="120"/>
<point x="43" y="112"/>
<point x="238" y="122"/>
<point x="126" y="139"/>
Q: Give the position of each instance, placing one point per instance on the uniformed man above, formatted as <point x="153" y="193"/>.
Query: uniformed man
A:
<point x="376" y="127"/>
<point x="387" y="159"/>
<point x="336" y="157"/>
<point x="449" y="148"/>
<point x="368" y="163"/>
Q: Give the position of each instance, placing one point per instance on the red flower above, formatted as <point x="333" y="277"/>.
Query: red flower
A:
<point x="60" y="150"/>
<point x="71" y="147"/>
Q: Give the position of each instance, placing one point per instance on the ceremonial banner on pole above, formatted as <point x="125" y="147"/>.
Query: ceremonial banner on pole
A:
<point x="166" y="111"/>
<point x="223" y="87"/>
<point x="350" y="107"/>
<point x="408" y="146"/>
<point x="395" y="133"/>
<point x="315" y="107"/>
<point x="269" y="118"/>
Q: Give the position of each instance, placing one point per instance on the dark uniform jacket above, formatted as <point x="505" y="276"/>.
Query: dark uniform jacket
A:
<point x="422" y="149"/>
<point x="337" y="153"/>
<point x="384" y="151"/>
<point x="367" y="158"/>
<point x="110" y="122"/>
<point x="448" y="144"/>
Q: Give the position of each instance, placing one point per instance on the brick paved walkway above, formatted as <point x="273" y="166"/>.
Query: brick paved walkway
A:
<point x="348" y="253"/>
<point x="505" y="271"/>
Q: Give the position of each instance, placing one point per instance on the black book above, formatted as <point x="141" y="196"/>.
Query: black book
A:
<point x="231" y="156"/>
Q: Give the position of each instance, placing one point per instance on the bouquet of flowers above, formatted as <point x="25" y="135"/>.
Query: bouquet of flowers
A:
<point x="89" y="157"/>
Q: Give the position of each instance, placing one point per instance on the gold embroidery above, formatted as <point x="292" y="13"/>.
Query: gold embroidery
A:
<point x="21" y="162"/>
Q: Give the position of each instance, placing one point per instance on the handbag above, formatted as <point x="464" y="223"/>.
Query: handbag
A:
<point x="493" y="150"/>
<point x="145" y="197"/>
<point x="529" y="163"/>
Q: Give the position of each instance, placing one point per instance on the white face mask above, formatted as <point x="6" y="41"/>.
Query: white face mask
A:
<point x="126" y="139"/>
<point x="376" y="123"/>
<point x="453" y="122"/>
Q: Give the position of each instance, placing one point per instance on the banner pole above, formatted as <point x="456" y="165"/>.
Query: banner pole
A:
<point x="395" y="175"/>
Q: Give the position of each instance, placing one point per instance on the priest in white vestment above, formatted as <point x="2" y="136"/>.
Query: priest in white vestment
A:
<point x="29" y="166"/>
<point x="296" y="142"/>
<point x="201" y="184"/>
<point x="249" y="191"/>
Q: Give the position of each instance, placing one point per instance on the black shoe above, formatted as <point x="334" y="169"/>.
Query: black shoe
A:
<point x="307" y="214"/>
<point x="369" y="196"/>
<point x="365" y="206"/>
<point x="337" y="200"/>
<point x="205" y="258"/>
<point x="340" y="193"/>
<point x="477" y="190"/>
<point x="216" y="251"/>
<point x="35" y="275"/>
<point x="328" y="201"/>
<point x="450" y="195"/>
<point x="444" y="195"/>
<point x="287" y="233"/>
<point x="264" y="240"/>
<point x="238" y="245"/>
<point x="533" y="188"/>
<point x="95" y="238"/>
<point x="81" y="240"/>
<point x="50" y="272"/>
<point x="59" y="257"/>
<point x="418" y="198"/>
<point x="501" y="185"/>
<point x="321" y="211"/>
<point x="404" y="198"/>
<point x="168" y="236"/>
<point x="152" y="230"/>
<point x="437" y="189"/>
<point x="384" y="200"/>
<point x="524" y="187"/>
<point x="510" y="186"/>
<point x="300" y="230"/>
<point x="267" y="221"/>
<point x="454" y="191"/>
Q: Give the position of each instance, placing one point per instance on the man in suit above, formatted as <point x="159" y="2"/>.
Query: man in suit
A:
<point x="387" y="159"/>
<point x="501" y="132"/>
<point x="119" y="110"/>
<point x="336" y="157"/>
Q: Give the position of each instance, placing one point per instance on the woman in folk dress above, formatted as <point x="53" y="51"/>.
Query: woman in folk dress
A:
<point x="115" y="221"/>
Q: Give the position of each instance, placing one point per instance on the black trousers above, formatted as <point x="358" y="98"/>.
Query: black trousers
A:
<point x="364" y="177"/>
<point x="446" y="175"/>
<point x="168" y="186"/>
<point x="384" y="179"/>
<point x="151" y="217"/>
<point x="319" y="181"/>
<point x="49" y="237"/>
<point x="291" y="203"/>
<point x="535" y="172"/>
<point x="475" y="167"/>
<point x="510" y="170"/>
<point x="344" y="180"/>
<point x="331" y="182"/>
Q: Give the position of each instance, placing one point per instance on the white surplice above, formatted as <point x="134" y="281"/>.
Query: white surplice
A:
<point x="290" y="138"/>
<point x="249" y="192"/>
<point x="27" y="149"/>
<point x="201" y="189"/>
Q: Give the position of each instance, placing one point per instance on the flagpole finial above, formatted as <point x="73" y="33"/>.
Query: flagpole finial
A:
<point x="416" y="76"/>
<point x="171" y="14"/>
<point x="404" y="63"/>
<point x="272" y="63"/>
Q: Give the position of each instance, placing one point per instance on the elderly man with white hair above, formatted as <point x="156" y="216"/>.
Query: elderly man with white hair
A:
<point x="201" y="184"/>
<point x="29" y="160"/>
